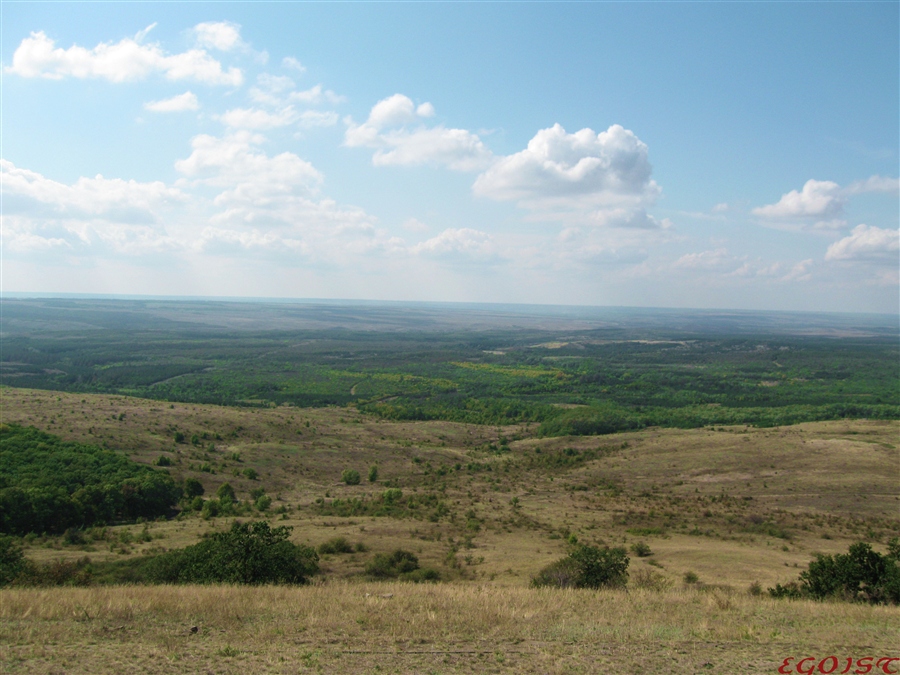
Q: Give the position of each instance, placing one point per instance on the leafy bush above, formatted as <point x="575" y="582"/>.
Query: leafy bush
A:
<point x="350" y="476"/>
<point x="373" y="473"/>
<point x="641" y="549"/>
<point x="586" y="567"/>
<point x="391" y="566"/>
<point x="861" y="575"/>
<point x="12" y="560"/>
<point x="249" y="553"/>
<point x="225" y="493"/>
<point x="335" y="545"/>
<point x="192" y="488"/>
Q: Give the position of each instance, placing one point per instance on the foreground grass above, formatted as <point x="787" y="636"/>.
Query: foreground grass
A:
<point x="364" y="628"/>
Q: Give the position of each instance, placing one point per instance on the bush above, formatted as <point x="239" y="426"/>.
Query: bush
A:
<point x="249" y="553"/>
<point x="350" y="476"/>
<point x="384" y="566"/>
<point x="860" y="575"/>
<point x="163" y="460"/>
<point x="225" y="493"/>
<point x="650" y="580"/>
<point x="641" y="549"/>
<point x="373" y="473"/>
<point x="192" y="488"/>
<point x="263" y="503"/>
<point x="586" y="567"/>
<point x="335" y="545"/>
<point x="251" y="474"/>
<point x="12" y="560"/>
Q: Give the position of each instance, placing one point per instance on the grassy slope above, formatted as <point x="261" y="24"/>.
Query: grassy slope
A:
<point x="824" y="485"/>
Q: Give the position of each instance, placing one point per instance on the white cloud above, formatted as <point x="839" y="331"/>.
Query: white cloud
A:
<point x="141" y="34"/>
<point x="222" y="35"/>
<point x="581" y="178"/>
<point x="874" y="184"/>
<point x="458" y="243"/>
<point x="234" y="162"/>
<point x="562" y="169"/>
<point x="38" y="56"/>
<point x="316" y="95"/>
<point x="315" y="118"/>
<point x="255" y="118"/>
<point x="397" y="144"/>
<point x="819" y="200"/>
<point x="799" y="271"/>
<point x="715" y="259"/>
<point x="293" y="64"/>
<point x="179" y="103"/>
<point x="122" y="216"/>
<point x="107" y="198"/>
<point x="866" y="243"/>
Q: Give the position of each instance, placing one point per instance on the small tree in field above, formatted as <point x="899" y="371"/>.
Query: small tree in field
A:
<point x="373" y="473"/>
<point x="586" y="567"/>
<point x="350" y="476"/>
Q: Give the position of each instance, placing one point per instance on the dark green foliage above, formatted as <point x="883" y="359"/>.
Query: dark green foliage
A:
<point x="335" y="545"/>
<point x="163" y="461"/>
<point x="263" y="502"/>
<point x="179" y="437"/>
<point x="225" y="493"/>
<point x="861" y="575"/>
<point x="350" y="476"/>
<point x="192" y="488"/>
<point x="635" y="369"/>
<point x="393" y="565"/>
<point x="373" y="473"/>
<point x="586" y="567"/>
<point x="250" y="474"/>
<point x="249" y="553"/>
<point x="12" y="560"/>
<point x="641" y="549"/>
<point x="390" y="503"/>
<point x="48" y="485"/>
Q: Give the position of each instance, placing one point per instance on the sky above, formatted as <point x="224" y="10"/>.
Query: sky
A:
<point x="656" y="154"/>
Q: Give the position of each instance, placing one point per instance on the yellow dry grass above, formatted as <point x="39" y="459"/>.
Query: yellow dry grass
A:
<point x="399" y="628"/>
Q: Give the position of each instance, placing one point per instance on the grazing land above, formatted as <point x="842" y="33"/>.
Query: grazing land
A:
<point x="482" y="430"/>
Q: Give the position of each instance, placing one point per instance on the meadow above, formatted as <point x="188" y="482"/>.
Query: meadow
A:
<point x="711" y="514"/>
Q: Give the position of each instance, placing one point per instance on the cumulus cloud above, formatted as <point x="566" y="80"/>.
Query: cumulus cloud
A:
<point x="235" y="162"/>
<point x="458" y="243"/>
<point x="602" y="179"/>
<point x="866" y="243"/>
<point x="43" y="214"/>
<point x="179" y="103"/>
<point x="127" y="60"/>
<point x="819" y="199"/>
<point x="608" y="168"/>
<point x="874" y="184"/>
<point x="316" y="95"/>
<point x="106" y="198"/>
<point x="221" y="35"/>
<point x="395" y="129"/>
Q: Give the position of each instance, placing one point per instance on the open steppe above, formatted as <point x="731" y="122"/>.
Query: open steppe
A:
<point x="735" y="506"/>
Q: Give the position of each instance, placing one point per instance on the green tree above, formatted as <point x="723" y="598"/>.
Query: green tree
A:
<point x="350" y="476"/>
<point x="225" y="493"/>
<point x="249" y="553"/>
<point x="373" y="473"/>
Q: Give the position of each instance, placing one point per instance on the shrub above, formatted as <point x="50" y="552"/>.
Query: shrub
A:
<point x="251" y="473"/>
<point x="163" y="460"/>
<point x="350" y="476"/>
<point x="192" y="488"/>
<point x="586" y="567"/>
<point x="861" y="574"/>
<point x="179" y="437"/>
<point x="12" y="560"/>
<point x="690" y="577"/>
<point x="263" y="503"/>
<point x="641" y="549"/>
<point x="373" y="473"/>
<point x="249" y="553"/>
<point x="384" y="566"/>
<point x="225" y="493"/>
<point x="335" y="545"/>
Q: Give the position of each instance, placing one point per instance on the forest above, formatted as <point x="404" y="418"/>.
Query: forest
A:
<point x="569" y="372"/>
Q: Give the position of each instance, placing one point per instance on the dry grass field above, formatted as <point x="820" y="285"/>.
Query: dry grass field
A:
<point x="733" y="506"/>
<point x="402" y="628"/>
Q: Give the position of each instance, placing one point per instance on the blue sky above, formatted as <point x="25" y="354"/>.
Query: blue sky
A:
<point x="733" y="155"/>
